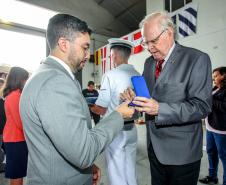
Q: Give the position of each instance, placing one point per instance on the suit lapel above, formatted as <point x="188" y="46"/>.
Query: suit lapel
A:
<point x="54" y="64"/>
<point x="169" y="66"/>
<point x="51" y="62"/>
<point x="149" y="73"/>
<point x="152" y="75"/>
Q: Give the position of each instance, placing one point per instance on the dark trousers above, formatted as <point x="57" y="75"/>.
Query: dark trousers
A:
<point x="216" y="148"/>
<point x="172" y="174"/>
<point x="2" y="156"/>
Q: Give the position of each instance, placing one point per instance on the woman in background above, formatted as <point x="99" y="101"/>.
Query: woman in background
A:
<point x="13" y="135"/>
<point x="2" y="124"/>
<point x="216" y="128"/>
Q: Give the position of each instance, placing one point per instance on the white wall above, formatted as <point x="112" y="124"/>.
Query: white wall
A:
<point x="97" y="41"/>
<point x="153" y="5"/>
<point x="211" y="31"/>
<point x="138" y="60"/>
<point x="87" y="74"/>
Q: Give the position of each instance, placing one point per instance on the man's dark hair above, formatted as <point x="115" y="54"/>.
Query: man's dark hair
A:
<point x="124" y="51"/>
<point x="15" y="80"/>
<point x="90" y="83"/>
<point x="64" y="25"/>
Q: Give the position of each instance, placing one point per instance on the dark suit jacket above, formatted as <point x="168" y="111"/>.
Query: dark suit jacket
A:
<point x="183" y="91"/>
<point x="217" y="118"/>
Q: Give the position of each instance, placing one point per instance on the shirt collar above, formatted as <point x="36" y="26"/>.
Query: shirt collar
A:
<point x="170" y="51"/>
<point x="124" y="66"/>
<point x="168" y="55"/>
<point x="65" y="66"/>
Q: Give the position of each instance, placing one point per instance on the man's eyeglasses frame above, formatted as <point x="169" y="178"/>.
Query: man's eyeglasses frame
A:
<point x="153" y="41"/>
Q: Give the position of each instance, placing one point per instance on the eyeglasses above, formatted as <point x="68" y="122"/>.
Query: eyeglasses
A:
<point x="153" y="41"/>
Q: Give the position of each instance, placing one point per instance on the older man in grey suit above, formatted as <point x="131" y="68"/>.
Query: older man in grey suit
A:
<point x="62" y="145"/>
<point x="179" y="81"/>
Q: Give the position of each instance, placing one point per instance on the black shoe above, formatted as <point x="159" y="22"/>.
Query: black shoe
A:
<point x="209" y="180"/>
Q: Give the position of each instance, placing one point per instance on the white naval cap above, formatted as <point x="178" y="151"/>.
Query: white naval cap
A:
<point x="120" y="42"/>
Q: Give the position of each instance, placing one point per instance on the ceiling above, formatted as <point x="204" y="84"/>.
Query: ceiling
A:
<point x="112" y="18"/>
<point x="128" y="12"/>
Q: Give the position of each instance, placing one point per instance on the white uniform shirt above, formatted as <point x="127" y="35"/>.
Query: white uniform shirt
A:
<point x="113" y="83"/>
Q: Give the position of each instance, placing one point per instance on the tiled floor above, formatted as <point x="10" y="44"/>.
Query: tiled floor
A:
<point x="142" y="163"/>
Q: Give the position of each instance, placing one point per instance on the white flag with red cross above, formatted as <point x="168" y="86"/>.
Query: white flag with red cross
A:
<point x="104" y="58"/>
<point x="137" y="42"/>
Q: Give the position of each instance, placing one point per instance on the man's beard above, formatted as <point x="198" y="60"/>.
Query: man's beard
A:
<point x="79" y="69"/>
<point x="80" y="66"/>
<point x="77" y="66"/>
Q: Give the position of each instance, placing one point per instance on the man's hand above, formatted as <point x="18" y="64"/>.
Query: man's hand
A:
<point x="128" y="94"/>
<point x="96" y="174"/>
<point x="125" y="110"/>
<point x="98" y="109"/>
<point x="149" y="106"/>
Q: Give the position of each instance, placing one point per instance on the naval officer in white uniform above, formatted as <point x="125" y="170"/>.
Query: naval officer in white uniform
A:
<point x="121" y="153"/>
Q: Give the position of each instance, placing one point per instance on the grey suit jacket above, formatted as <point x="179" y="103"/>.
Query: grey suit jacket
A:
<point x="183" y="91"/>
<point x="62" y="145"/>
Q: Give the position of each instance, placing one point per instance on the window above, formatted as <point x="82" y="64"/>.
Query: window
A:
<point x="22" y="34"/>
<point x="23" y="50"/>
<point x="173" y="5"/>
<point x="28" y="15"/>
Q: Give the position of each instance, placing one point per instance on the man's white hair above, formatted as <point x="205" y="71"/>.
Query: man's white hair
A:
<point x="165" y="20"/>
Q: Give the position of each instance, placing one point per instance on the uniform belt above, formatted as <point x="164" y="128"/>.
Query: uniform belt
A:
<point x="128" y="122"/>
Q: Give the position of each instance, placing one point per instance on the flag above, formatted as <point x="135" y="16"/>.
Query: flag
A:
<point x="111" y="62"/>
<point x="137" y="40"/>
<point x="97" y="57"/>
<point x="128" y="37"/>
<point x="174" y="19"/>
<point x="103" y="57"/>
<point x="187" y="21"/>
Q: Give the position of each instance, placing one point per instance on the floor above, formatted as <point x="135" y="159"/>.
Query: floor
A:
<point x="143" y="170"/>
